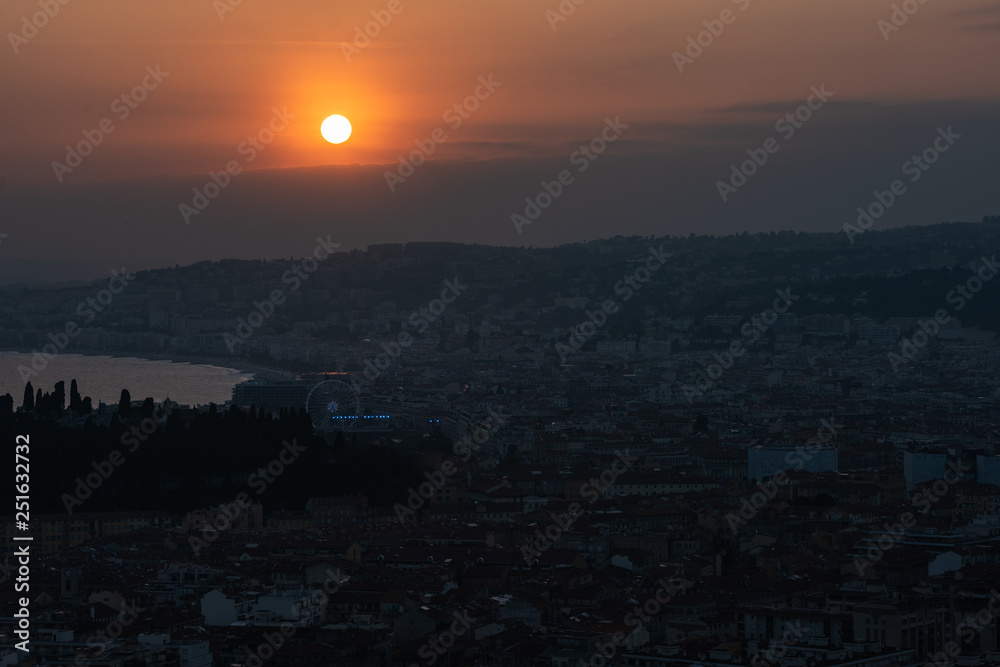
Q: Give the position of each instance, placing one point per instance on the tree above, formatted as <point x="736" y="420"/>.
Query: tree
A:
<point x="59" y="397"/>
<point x="701" y="424"/>
<point x="29" y="398"/>
<point x="846" y="385"/>
<point x="125" y="404"/>
<point x="338" y="445"/>
<point x="75" y="400"/>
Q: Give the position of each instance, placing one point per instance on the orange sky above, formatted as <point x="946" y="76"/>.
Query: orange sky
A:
<point x="607" y="58"/>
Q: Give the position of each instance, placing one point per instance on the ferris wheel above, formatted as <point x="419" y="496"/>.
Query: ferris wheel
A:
<point x="333" y="406"/>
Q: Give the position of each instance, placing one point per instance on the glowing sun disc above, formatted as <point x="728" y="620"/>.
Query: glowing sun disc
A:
<point x="336" y="129"/>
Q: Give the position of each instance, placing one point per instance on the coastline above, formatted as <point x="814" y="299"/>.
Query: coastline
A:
<point x="258" y="372"/>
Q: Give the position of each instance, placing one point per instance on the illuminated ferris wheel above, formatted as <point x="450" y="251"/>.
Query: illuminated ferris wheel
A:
<point x="333" y="406"/>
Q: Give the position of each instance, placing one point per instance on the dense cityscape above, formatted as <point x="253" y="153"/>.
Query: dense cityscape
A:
<point x="765" y="450"/>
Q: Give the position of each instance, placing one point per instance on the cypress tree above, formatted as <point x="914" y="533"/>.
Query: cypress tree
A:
<point x="59" y="396"/>
<point x="75" y="400"/>
<point x="125" y="404"/>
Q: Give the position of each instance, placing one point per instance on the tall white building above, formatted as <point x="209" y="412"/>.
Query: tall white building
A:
<point x="988" y="469"/>
<point x="921" y="467"/>
<point x="764" y="461"/>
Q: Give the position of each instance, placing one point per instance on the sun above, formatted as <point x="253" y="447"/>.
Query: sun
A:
<point x="336" y="129"/>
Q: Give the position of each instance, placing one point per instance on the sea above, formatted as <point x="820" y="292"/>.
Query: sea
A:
<point x="103" y="378"/>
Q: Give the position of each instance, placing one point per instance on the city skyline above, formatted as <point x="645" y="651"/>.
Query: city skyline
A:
<point x="505" y="333"/>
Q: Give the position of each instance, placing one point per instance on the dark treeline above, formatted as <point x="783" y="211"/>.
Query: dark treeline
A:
<point x="149" y="457"/>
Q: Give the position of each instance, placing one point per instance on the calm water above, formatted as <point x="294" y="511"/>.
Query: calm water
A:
<point x="103" y="378"/>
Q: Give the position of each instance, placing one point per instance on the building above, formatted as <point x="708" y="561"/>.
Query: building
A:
<point x="348" y="510"/>
<point x="921" y="467"/>
<point x="764" y="461"/>
<point x="616" y="347"/>
<point x="272" y="395"/>
<point x="988" y="470"/>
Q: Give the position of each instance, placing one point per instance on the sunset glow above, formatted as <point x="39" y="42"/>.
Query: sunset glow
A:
<point x="461" y="110"/>
<point x="531" y="314"/>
